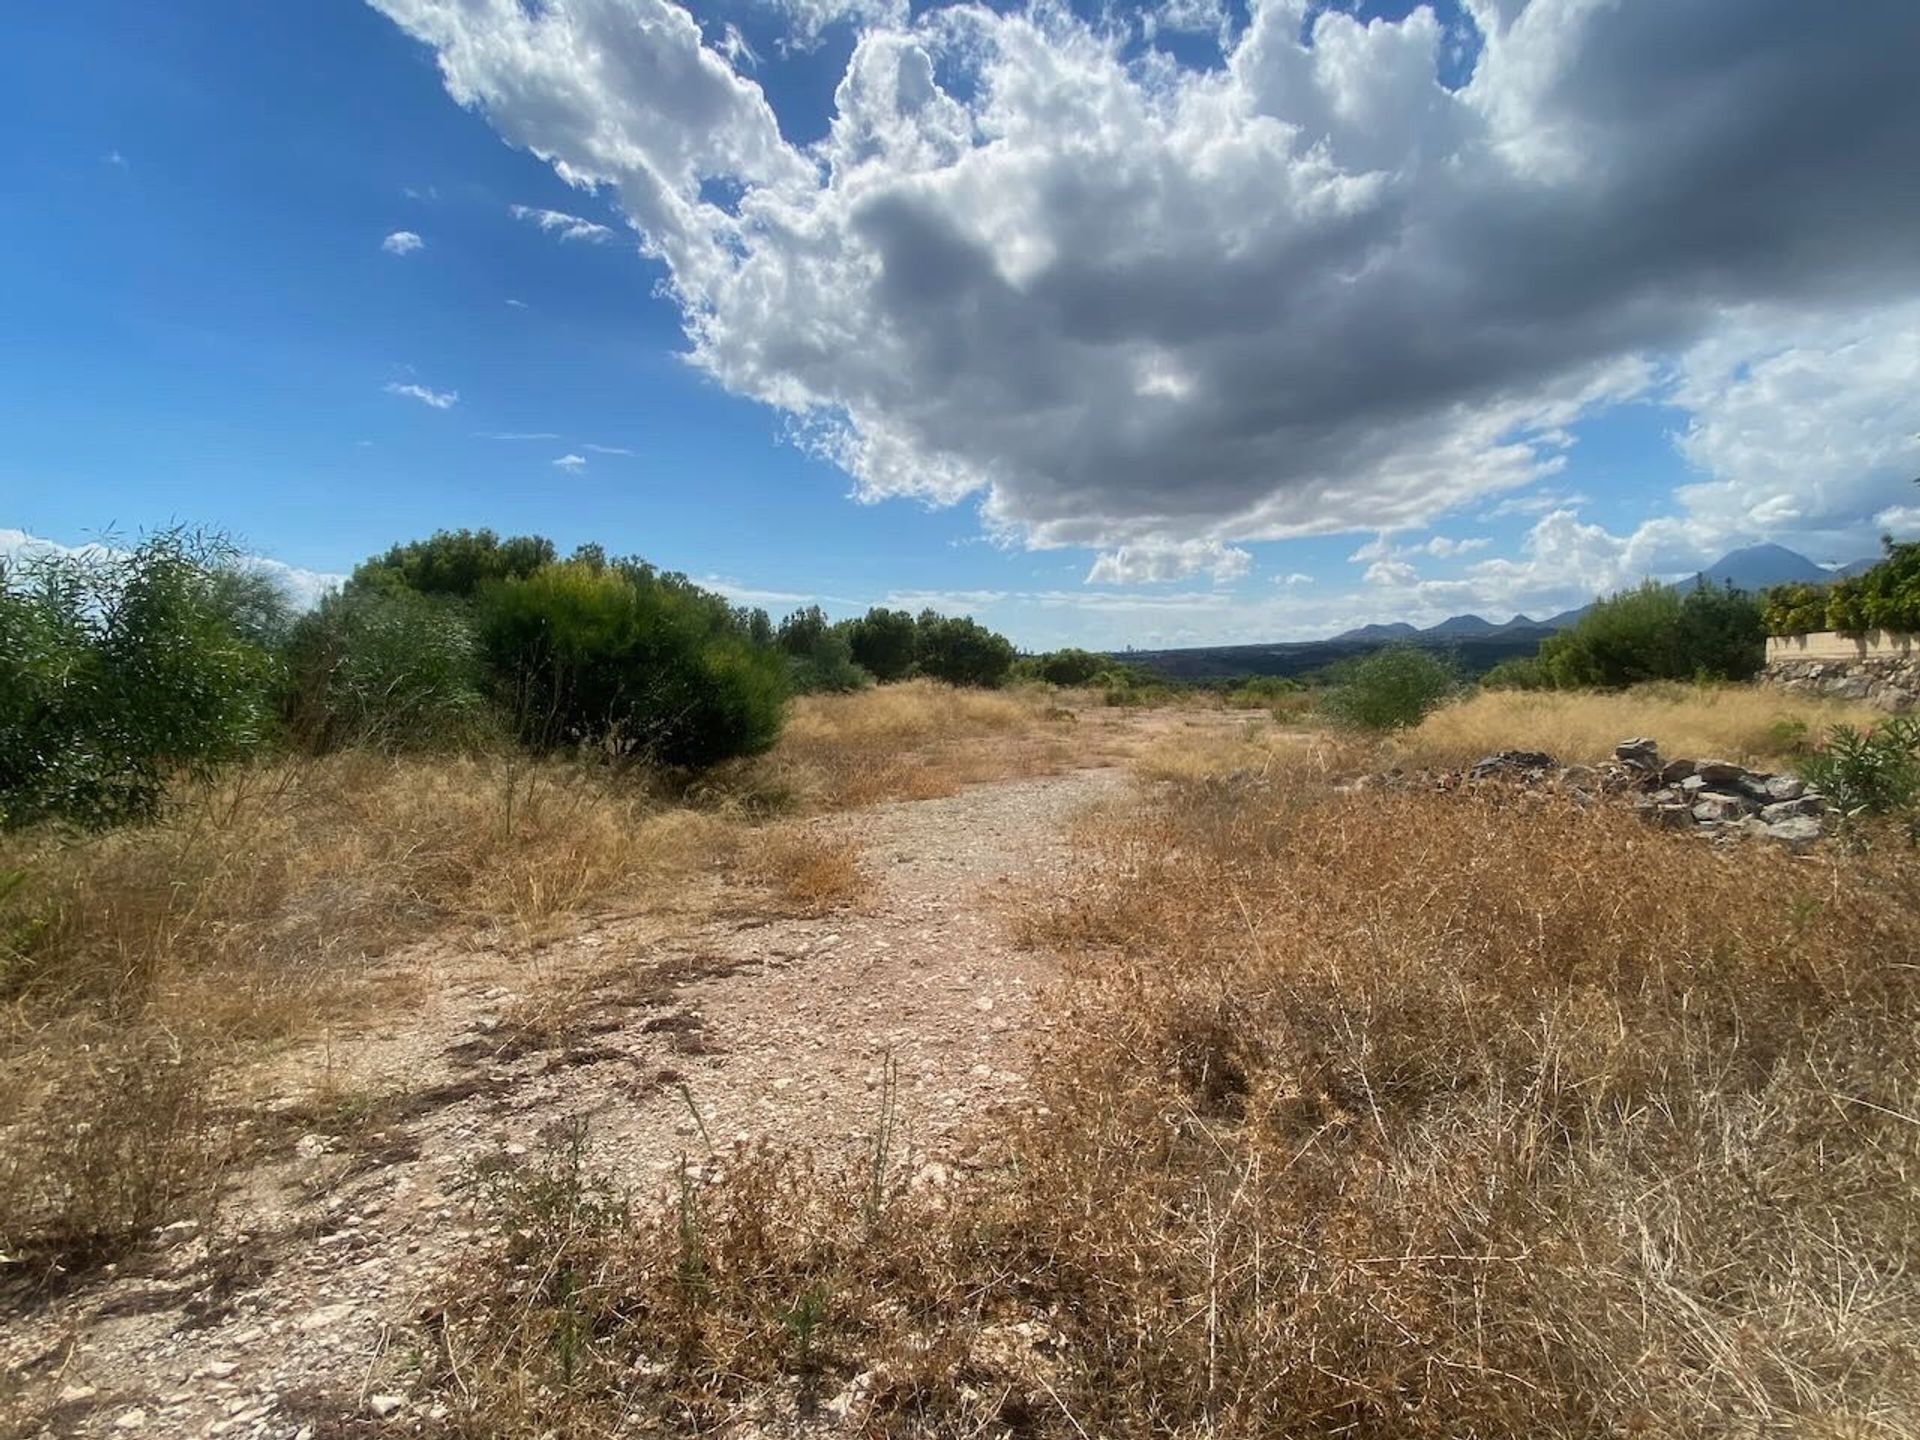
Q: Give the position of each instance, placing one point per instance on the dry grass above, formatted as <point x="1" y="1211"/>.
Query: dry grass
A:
<point x="285" y="895"/>
<point x="914" y="741"/>
<point x="1749" y="724"/>
<point x="1253" y="750"/>
<point x="253" y="912"/>
<point x="807" y="873"/>
<point x="255" y="899"/>
<point x="1373" y="1115"/>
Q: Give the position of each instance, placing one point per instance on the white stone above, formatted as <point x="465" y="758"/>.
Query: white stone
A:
<point x="326" y="1315"/>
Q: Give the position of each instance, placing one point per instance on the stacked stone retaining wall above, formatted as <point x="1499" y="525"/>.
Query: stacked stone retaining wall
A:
<point x="1880" y="667"/>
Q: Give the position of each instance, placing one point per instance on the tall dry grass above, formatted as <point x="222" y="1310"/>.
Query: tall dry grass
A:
<point x="917" y="740"/>
<point x="267" y="887"/>
<point x="1749" y="724"/>
<point x="256" y="909"/>
<point x="271" y="901"/>
<point x="1373" y="1115"/>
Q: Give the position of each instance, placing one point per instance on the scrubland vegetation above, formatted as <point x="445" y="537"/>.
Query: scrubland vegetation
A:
<point x="1364" y="1112"/>
<point x="1367" y="1114"/>
<point x="1744" y="724"/>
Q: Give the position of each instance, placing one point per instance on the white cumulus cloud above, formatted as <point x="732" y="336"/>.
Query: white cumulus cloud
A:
<point x="1152" y="561"/>
<point x="1137" y="305"/>
<point x="402" y="242"/>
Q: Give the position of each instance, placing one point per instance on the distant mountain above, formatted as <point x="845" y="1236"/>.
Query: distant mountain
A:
<point x="1754" y="568"/>
<point x="1759" y="566"/>
<point x="1462" y="625"/>
<point x="1858" y="567"/>
<point x="1398" y="630"/>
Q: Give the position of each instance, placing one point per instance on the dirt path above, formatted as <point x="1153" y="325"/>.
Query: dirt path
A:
<point x="283" y="1321"/>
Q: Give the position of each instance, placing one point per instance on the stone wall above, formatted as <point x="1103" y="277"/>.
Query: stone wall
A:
<point x="1838" y="645"/>
<point x="1880" y="667"/>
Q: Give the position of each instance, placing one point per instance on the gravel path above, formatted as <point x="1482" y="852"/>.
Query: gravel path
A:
<point x="278" y="1323"/>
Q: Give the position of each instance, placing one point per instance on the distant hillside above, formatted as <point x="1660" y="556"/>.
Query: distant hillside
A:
<point x="1474" y="654"/>
<point x="1398" y="630"/>
<point x="1476" y="643"/>
<point x="1758" y="567"/>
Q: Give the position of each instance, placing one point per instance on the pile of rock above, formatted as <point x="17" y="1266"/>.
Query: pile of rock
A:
<point x="1710" y="797"/>
<point x="1720" y="797"/>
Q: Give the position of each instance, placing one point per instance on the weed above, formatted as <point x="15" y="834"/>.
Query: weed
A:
<point x="1868" y="772"/>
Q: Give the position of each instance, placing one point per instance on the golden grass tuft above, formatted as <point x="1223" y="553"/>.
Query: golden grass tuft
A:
<point x="1390" y="1114"/>
<point x="918" y="740"/>
<point x="1252" y="750"/>
<point x="807" y="872"/>
<point x="1754" y="725"/>
<point x="254" y="897"/>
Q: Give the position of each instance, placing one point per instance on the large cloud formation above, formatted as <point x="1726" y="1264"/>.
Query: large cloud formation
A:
<point x="1139" y="305"/>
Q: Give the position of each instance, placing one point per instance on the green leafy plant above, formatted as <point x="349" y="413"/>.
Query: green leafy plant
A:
<point x="883" y="643"/>
<point x="618" y="658"/>
<point x="394" y="670"/>
<point x="819" y="655"/>
<point x="1390" y="689"/>
<point x="1655" y="632"/>
<point x="1887" y="597"/>
<point x="120" y="668"/>
<point x="1870" y="772"/>
<point x="961" y="651"/>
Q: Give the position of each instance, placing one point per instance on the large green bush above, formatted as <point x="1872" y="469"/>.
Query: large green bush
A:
<point x="1390" y="689"/>
<point x="122" y="668"/>
<point x="1071" y="667"/>
<point x="1656" y="632"/>
<point x="819" y="657"/>
<point x="390" y="669"/>
<point x="454" y="563"/>
<point x="635" y="664"/>
<point x="1887" y="597"/>
<point x="883" y="643"/>
<point x="961" y="651"/>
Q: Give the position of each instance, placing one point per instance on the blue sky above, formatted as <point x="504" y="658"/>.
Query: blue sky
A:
<point x="1030" y="401"/>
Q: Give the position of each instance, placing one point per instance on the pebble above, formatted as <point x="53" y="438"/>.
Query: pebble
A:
<point x="326" y="1315"/>
<point x="384" y="1405"/>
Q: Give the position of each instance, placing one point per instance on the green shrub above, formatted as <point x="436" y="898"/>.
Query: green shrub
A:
<point x="819" y="655"/>
<point x="1522" y="672"/>
<point x="1390" y="689"/>
<point x="961" y="651"/>
<point x="1794" y="609"/>
<point x="1875" y="772"/>
<point x="883" y="643"/>
<point x="119" y="669"/>
<point x="390" y="669"/>
<point x="457" y="563"/>
<point x="633" y="663"/>
<point x="1071" y="667"/>
<point x="1655" y="632"/>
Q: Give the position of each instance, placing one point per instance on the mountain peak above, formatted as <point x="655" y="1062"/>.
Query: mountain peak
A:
<point x="1755" y="567"/>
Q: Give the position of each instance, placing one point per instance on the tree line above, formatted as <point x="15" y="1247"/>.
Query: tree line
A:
<point x="121" y="669"/>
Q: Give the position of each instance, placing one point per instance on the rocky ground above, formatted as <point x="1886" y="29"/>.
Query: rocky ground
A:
<point x="288" y="1315"/>
<point x="1713" y="798"/>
